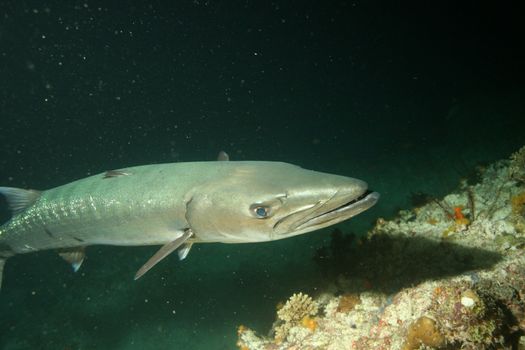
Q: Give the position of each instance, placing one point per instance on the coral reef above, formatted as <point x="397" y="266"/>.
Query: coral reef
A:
<point x="449" y="274"/>
<point x="294" y="322"/>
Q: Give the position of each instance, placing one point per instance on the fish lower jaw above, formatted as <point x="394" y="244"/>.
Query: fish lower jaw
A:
<point x="341" y="213"/>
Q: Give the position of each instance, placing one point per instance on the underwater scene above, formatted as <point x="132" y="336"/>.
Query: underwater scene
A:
<point x="256" y="175"/>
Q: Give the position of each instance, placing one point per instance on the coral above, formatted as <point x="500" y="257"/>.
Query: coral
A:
<point x="248" y="340"/>
<point x="298" y="308"/>
<point x="458" y="214"/>
<point x="465" y="317"/>
<point x="460" y="224"/>
<point x="517" y="165"/>
<point x="347" y="302"/>
<point x="518" y="203"/>
<point x="423" y="332"/>
<point x="240" y="331"/>
<point x="309" y="322"/>
<point x="518" y="210"/>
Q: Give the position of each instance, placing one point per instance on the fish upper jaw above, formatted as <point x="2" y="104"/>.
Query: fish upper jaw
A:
<point x="343" y="204"/>
<point x="335" y="213"/>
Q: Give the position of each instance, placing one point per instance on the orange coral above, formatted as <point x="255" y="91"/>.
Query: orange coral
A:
<point x="458" y="214"/>
<point x="309" y="322"/>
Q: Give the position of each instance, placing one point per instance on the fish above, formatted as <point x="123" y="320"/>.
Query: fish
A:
<point x="175" y="205"/>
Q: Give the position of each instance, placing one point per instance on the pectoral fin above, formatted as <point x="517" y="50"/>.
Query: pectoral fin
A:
<point x="223" y="156"/>
<point x="2" y="263"/>
<point x="163" y="252"/>
<point x="74" y="256"/>
<point x="184" y="250"/>
<point x="5" y="253"/>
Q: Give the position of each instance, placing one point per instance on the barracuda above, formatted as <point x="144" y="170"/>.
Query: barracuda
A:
<point x="176" y="205"/>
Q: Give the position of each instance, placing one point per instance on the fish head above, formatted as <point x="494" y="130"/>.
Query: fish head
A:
<point x="264" y="201"/>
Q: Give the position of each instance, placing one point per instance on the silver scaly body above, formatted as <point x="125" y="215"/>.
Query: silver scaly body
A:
<point x="179" y="204"/>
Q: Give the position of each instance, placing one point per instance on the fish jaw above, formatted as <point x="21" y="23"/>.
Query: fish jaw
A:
<point x="341" y="200"/>
<point x="350" y="208"/>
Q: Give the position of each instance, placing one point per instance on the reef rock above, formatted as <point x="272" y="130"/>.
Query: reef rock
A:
<point x="449" y="274"/>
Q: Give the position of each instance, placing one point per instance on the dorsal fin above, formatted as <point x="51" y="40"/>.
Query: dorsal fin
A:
<point x="223" y="156"/>
<point x="115" y="173"/>
<point x="19" y="199"/>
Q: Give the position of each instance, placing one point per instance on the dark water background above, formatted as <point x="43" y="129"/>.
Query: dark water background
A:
<point x="407" y="96"/>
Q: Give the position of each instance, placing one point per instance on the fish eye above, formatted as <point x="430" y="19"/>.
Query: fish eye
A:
<point x="260" y="211"/>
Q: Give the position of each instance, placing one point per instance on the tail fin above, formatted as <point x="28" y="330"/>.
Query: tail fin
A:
<point x="18" y="200"/>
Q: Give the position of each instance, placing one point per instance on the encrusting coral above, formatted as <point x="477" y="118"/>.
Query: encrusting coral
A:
<point x="423" y="331"/>
<point x="347" y="302"/>
<point x="409" y="286"/>
<point x="518" y="203"/>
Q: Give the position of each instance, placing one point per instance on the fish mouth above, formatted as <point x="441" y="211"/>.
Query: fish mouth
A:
<point x="335" y="210"/>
